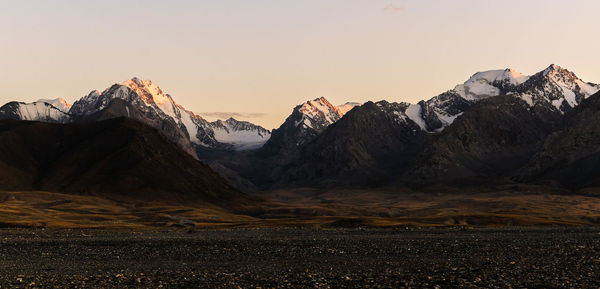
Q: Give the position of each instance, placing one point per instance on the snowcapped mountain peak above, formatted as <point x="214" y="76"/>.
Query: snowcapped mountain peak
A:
<point x="321" y="99"/>
<point x="37" y="111"/>
<point x="319" y="113"/>
<point x="160" y="110"/>
<point x="569" y="80"/>
<point x="152" y="94"/>
<point x="242" y="135"/>
<point x="512" y="76"/>
<point x="96" y="101"/>
<point x="557" y="86"/>
<point x="59" y="103"/>
<point x="138" y="82"/>
<point x="553" y="68"/>
<point x="307" y="121"/>
<point x="135" y="80"/>
<point x="558" y="73"/>
<point x="499" y="75"/>
<point x="143" y="87"/>
<point x="93" y="95"/>
<point x="346" y="107"/>
<point x="490" y="83"/>
<point x="320" y="108"/>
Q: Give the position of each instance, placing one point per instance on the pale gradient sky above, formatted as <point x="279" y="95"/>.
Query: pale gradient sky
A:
<point x="266" y="56"/>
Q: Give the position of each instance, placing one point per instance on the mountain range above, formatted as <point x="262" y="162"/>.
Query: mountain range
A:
<point x="144" y="101"/>
<point x="498" y="126"/>
<point x="487" y="128"/>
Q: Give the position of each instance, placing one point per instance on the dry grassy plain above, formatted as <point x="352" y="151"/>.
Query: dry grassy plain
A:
<point x="510" y="206"/>
<point x="45" y="209"/>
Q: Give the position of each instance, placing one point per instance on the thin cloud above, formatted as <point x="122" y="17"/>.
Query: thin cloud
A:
<point x="236" y="115"/>
<point x="393" y="8"/>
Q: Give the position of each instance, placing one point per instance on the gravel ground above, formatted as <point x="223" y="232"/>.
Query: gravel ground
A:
<point x="302" y="258"/>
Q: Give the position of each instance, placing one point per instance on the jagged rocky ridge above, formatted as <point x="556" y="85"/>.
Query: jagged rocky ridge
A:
<point x="150" y="98"/>
<point x="307" y="121"/>
<point x="555" y="87"/>
<point x="257" y="169"/>
<point x="145" y="102"/>
<point x="496" y="134"/>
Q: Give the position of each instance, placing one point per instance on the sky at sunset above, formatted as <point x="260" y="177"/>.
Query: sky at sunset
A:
<point x="257" y="59"/>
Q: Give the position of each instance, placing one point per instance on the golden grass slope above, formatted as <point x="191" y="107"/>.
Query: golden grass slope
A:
<point x="46" y="209"/>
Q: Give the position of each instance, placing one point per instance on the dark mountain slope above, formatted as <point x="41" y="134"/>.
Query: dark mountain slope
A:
<point x="263" y="167"/>
<point x="306" y="122"/>
<point x="367" y="146"/>
<point x="571" y="156"/>
<point x="118" y="157"/>
<point x="494" y="138"/>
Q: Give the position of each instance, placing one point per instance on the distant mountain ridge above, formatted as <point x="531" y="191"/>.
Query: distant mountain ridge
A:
<point x="507" y="116"/>
<point x="306" y="122"/>
<point x="488" y="128"/>
<point x="554" y="86"/>
<point x="242" y="135"/>
<point x="36" y="111"/>
<point x="152" y="106"/>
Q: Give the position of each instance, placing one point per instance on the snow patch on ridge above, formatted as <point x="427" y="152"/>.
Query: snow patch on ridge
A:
<point x="40" y="111"/>
<point x="413" y="112"/>
<point x="346" y="107"/>
<point x="482" y="84"/>
<point x="242" y="135"/>
<point x="587" y="88"/>
<point x="513" y="77"/>
<point x="190" y="126"/>
<point x="59" y="103"/>
<point x="240" y="139"/>
<point x="447" y="119"/>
